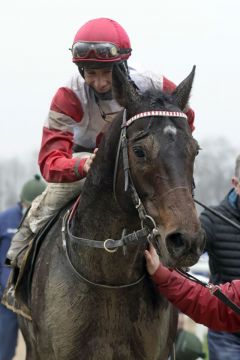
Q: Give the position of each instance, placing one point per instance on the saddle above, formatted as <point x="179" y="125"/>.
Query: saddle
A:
<point x="17" y="293"/>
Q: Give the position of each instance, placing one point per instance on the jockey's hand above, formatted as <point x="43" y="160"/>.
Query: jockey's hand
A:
<point x="89" y="161"/>
<point x="152" y="260"/>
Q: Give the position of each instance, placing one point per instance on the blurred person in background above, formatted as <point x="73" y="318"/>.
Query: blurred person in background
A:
<point x="9" y="221"/>
<point x="223" y="248"/>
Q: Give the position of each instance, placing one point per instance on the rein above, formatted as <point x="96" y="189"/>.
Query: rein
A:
<point x="229" y="221"/>
<point x="214" y="290"/>
<point x="110" y="245"/>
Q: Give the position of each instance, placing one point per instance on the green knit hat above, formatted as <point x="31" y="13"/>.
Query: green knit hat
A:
<point x="32" y="189"/>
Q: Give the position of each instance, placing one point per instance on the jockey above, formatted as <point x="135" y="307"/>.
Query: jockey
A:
<point x="193" y="299"/>
<point x="79" y="114"/>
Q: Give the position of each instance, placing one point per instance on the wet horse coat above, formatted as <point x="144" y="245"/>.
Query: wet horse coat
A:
<point x="97" y="304"/>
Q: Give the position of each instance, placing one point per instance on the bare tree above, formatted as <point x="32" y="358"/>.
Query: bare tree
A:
<point x="214" y="168"/>
<point x="14" y="173"/>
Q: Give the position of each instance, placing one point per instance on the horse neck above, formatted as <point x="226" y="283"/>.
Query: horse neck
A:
<point x="99" y="216"/>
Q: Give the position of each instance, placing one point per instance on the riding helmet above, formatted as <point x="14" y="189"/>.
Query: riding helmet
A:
<point x="103" y="31"/>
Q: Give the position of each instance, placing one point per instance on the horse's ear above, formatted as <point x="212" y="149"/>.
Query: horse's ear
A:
<point x="183" y="90"/>
<point x="124" y="89"/>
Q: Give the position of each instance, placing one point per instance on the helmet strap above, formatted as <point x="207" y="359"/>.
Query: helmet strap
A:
<point x="81" y="70"/>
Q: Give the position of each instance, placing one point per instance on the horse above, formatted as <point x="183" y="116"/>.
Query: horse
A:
<point x="91" y="296"/>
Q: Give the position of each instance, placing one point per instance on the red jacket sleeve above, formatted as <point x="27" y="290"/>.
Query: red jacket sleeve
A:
<point x="169" y="87"/>
<point x="55" y="156"/>
<point x="197" y="302"/>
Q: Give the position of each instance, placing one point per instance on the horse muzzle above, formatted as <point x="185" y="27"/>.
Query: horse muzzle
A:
<point x="181" y="249"/>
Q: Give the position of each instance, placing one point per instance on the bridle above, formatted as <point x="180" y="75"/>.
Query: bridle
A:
<point x="123" y="145"/>
<point x="148" y="231"/>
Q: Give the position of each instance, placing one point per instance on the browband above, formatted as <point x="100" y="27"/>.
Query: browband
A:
<point x="156" y="113"/>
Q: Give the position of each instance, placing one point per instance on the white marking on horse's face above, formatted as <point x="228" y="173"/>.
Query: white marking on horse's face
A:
<point x="170" y="129"/>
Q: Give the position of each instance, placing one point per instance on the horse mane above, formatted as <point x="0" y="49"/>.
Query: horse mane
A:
<point x="157" y="99"/>
<point x="101" y="171"/>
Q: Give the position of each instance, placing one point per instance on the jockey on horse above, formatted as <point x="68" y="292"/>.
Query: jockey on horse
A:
<point x="79" y="114"/>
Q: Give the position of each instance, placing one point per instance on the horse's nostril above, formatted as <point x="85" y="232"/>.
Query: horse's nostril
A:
<point x="175" y="241"/>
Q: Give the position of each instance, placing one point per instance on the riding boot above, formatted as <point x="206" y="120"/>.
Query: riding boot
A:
<point x="19" y="244"/>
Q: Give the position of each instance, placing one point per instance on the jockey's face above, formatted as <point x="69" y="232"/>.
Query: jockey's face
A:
<point x="99" y="79"/>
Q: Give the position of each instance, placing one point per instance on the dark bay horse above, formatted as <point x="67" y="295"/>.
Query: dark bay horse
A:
<point x="91" y="297"/>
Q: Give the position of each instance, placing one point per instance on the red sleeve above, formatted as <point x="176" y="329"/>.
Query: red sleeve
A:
<point x="197" y="302"/>
<point x="67" y="103"/>
<point x="169" y="87"/>
<point x="55" y="156"/>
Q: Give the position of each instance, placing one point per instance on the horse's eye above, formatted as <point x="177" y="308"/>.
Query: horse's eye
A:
<point x="138" y="151"/>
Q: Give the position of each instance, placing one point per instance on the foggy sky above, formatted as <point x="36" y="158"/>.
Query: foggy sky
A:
<point x="168" y="37"/>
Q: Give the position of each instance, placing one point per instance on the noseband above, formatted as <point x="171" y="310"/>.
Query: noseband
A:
<point x="148" y="231"/>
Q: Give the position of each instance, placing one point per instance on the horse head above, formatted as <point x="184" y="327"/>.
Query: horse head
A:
<point x="161" y="153"/>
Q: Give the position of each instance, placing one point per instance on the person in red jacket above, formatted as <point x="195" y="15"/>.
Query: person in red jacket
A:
<point x="79" y="114"/>
<point x="192" y="298"/>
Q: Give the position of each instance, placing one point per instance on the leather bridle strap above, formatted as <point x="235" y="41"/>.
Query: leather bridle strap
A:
<point x="134" y="238"/>
<point x="214" y="290"/>
<point x="122" y="145"/>
<point x="123" y="137"/>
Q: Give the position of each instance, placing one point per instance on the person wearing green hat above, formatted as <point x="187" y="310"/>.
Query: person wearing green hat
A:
<point x="31" y="189"/>
<point x="188" y="346"/>
<point x="9" y="222"/>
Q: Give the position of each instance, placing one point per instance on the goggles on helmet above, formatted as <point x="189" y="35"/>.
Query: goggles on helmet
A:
<point x="97" y="50"/>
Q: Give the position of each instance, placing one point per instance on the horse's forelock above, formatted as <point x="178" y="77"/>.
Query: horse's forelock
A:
<point x="156" y="99"/>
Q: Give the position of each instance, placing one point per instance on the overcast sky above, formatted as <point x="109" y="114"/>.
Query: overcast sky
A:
<point x="168" y="37"/>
